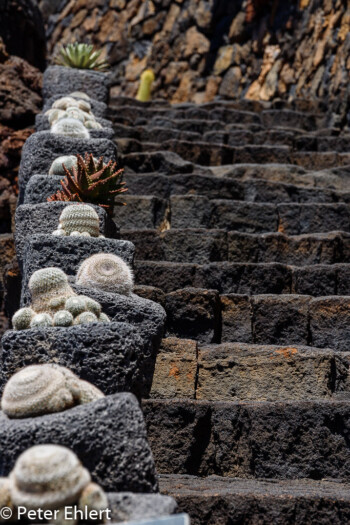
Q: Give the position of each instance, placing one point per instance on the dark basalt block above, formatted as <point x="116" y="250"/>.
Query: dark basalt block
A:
<point x="126" y="506"/>
<point x="33" y="219"/>
<point x="99" y="109"/>
<point x="147" y="316"/>
<point x="108" y="436"/>
<point x="111" y="356"/>
<point x="67" y="253"/>
<point x="43" y="147"/>
<point x="65" y="80"/>
<point x="40" y="187"/>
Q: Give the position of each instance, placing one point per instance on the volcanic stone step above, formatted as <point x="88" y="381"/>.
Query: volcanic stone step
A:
<point x="203" y="315"/>
<point x="108" y="435"/>
<point x="247" y="278"/>
<point x="242" y="372"/>
<point x="277" y="440"/>
<point x="40" y="187"/>
<point x="292" y="219"/>
<point x="201" y="246"/>
<point x="215" y="500"/>
<point x="335" y="178"/>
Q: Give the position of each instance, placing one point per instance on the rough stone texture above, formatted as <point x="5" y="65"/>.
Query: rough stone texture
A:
<point x="241" y="372"/>
<point x="34" y="219"/>
<point x="43" y="147"/>
<point x="23" y="17"/>
<point x="175" y="370"/>
<point x="193" y="313"/>
<point x="236" y="318"/>
<point x="108" y="436"/>
<point x="67" y="253"/>
<point x="145" y="212"/>
<point x="40" y="187"/>
<point x="60" y="80"/>
<point x="213" y="500"/>
<point x="20" y="92"/>
<point x="126" y="506"/>
<point x="281" y="440"/>
<point x="111" y="356"/>
<point x="329" y="323"/>
<point x="200" y="49"/>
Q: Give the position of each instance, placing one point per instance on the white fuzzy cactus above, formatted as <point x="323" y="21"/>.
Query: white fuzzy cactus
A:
<point x="79" y="219"/>
<point x="56" y="168"/>
<point x="46" y="287"/>
<point x="106" y="272"/>
<point x="64" y="103"/>
<point x="70" y="127"/>
<point x="54" y="303"/>
<point x="52" y="477"/>
<point x="43" y="389"/>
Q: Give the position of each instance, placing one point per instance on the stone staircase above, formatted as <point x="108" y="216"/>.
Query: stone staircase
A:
<point x="240" y="216"/>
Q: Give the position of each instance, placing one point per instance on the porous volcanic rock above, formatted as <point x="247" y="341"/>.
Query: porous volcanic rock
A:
<point x="111" y="356"/>
<point x="43" y="218"/>
<point x="126" y="506"/>
<point x="42" y="148"/>
<point x="64" y="80"/>
<point x="108" y="436"/>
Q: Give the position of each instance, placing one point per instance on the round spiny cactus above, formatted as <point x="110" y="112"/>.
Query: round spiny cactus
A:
<point x="80" y="94"/>
<point x="22" y="318"/>
<point x="75" y="305"/>
<point x="43" y="320"/>
<point x="80" y="218"/>
<point x="103" y="318"/>
<point x="86" y="318"/>
<point x="64" y="103"/>
<point x="36" y="390"/>
<point x="70" y="127"/>
<point x="47" y="477"/>
<point x="53" y="115"/>
<point x="75" y="113"/>
<point x="5" y="497"/>
<point x="92" y="124"/>
<point x="63" y="318"/>
<point x="85" y="106"/>
<point x="48" y="287"/>
<point x="106" y="272"/>
<point x="56" y="168"/>
<point x="93" y="497"/>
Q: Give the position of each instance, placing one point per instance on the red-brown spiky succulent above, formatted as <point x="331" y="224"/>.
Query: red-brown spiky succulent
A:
<point x="92" y="181"/>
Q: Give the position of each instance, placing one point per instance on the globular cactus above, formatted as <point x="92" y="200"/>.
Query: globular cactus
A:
<point x="106" y="272"/>
<point x="86" y="318"/>
<point x="84" y="105"/>
<point x="48" y="288"/>
<point x="5" y="499"/>
<point x="65" y="102"/>
<point x="53" y="115"/>
<point x="80" y="94"/>
<point x="22" y="318"/>
<point x="43" y="389"/>
<point x="145" y="87"/>
<point x="76" y="113"/>
<point x="43" y="320"/>
<point x="92" y="124"/>
<point x="36" y="390"/>
<point x="63" y="318"/>
<point x="93" y="497"/>
<point x="47" y="477"/>
<point x="56" y="168"/>
<point x="79" y="219"/>
<point x="54" y="303"/>
<point x="70" y="127"/>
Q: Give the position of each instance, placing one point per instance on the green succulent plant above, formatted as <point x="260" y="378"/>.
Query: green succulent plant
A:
<point x="92" y="181"/>
<point x="81" y="56"/>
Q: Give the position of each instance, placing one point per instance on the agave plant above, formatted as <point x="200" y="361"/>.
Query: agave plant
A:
<point x="81" y="56"/>
<point x="92" y="181"/>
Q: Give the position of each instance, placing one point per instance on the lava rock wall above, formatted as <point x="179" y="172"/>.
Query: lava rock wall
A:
<point x="258" y="49"/>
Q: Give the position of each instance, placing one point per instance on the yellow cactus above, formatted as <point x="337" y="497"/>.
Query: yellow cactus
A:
<point x="145" y="87"/>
